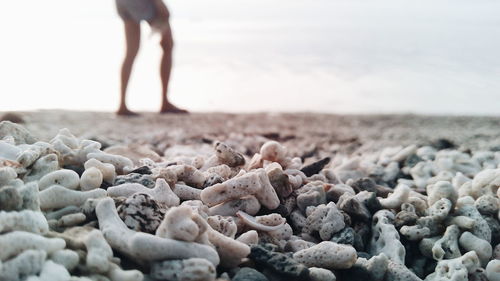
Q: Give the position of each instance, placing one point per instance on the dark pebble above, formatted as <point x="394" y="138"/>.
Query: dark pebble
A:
<point x="364" y="184"/>
<point x="495" y="229"/>
<point x="249" y="274"/>
<point x="212" y="179"/>
<point x="355" y="209"/>
<point x="372" y="203"/>
<point x="79" y="169"/>
<point x="315" y="167"/>
<point x="144" y="170"/>
<point x="280" y="263"/>
<point x="412" y="160"/>
<point x="440" y="144"/>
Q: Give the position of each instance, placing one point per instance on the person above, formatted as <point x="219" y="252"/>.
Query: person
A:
<point x="154" y="12"/>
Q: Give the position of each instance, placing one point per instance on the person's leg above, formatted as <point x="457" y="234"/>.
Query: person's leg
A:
<point x="167" y="45"/>
<point x="133" y="40"/>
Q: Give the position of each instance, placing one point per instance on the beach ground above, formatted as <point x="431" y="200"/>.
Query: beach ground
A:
<point x="305" y="134"/>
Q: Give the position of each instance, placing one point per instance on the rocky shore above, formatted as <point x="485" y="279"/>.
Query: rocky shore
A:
<point x="249" y="197"/>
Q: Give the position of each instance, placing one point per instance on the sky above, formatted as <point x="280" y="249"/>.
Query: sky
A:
<point x="335" y="56"/>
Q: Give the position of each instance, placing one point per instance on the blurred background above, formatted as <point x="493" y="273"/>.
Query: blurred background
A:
<point x="334" y="56"/>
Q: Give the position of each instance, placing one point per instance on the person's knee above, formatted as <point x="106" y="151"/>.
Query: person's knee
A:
<point x="131" y="53"/>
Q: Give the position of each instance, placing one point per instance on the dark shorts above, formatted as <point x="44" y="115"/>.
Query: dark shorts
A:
<point x="136" y="10"/>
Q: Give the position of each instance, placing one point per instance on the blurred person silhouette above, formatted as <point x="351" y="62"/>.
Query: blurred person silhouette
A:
<point x="154" y="12"/>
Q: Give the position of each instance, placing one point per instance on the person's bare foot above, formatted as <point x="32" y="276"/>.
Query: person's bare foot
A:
<point x="126" y="112"/>
<point x="170" y="108"/>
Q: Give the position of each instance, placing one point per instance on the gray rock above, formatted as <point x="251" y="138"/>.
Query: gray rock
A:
<point x="249" y="274"/>
<point x="495" y="229"/>
<point x="352" y="206"/>
<point x="19" y="133"/>
<point x="399" y="272"/>
<point x="364" y="184"/>
<point x="194" y="269"/>
<point x="10" y="199"/>
<point x="345" y="236"/>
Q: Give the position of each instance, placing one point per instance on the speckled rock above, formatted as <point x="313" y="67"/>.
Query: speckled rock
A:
<point x="494" y="225"/>
<point x="146" y="180"/>
<point x="194" y="269"/>
<point x="487" y="204"/>
<point x="141" y="212"/>
<point x="282" y="264"/>
<point x="399" y="272"/>
<point x="311" y="194"/>
<point x="345" y="236"/>
<point x="327" y="255"/>
<point x="326" y="220"/>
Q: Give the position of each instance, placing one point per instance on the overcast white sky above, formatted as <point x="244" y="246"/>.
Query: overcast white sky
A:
<point x="426" y="56"/>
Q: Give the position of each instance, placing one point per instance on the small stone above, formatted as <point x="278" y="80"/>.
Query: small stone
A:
<point x="495" y="229"/>
<point x="493" y="270"/>
<point x="141" y="212"/>
<point x="352" y="206"/>
<point x="321" y="274"/>
<point x="487" y="204"/>
<point x="326" y="220"/>
<point x="315" y="167"/>
<point x="213" y="179"/>
<point x="496" y="252"/>
<point x="407" y="216"/>
<point x="364" y="184"/>
<point x="412" y="160"/>
<point x="399" y="272"/>
<point x="227" y="155"/>
<point x="287" y="267"/>
<point x="144" y="170"/>
<point x="327" y="255"/>
<point x="19" y="133"/>
<point x="441" y="144"/>
<point x="333" y="193"/>
<point x="372" y="269"/>
<point x="280" y="182"/>
<point x="146" y="180"/>
<point x="249" y="274"/>
<point x="194" y="269"/>
<point x="345" y="236"/>
<point x="10" y="198"/>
